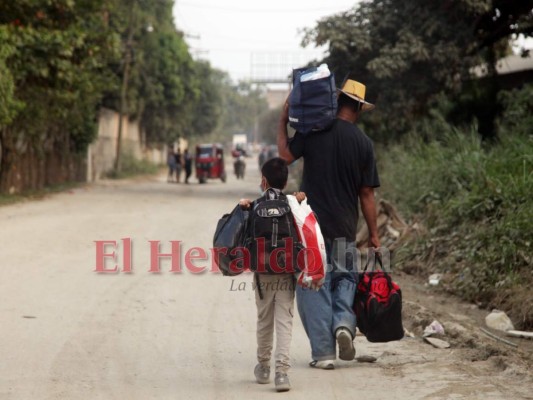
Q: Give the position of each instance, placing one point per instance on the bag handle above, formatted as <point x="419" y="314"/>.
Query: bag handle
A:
<point x="377" y="256"/>
<point x="385" y="275"/>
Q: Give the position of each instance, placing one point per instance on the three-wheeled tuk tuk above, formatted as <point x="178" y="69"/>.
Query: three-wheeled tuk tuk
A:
<point x="210" y="162"/>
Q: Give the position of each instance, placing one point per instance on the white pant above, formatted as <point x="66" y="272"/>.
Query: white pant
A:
<point x="275" y="309"/>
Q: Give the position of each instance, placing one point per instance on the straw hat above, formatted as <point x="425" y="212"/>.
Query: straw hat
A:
<point x="356" y="91"/>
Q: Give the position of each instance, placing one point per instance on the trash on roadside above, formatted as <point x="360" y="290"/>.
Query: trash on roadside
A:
<point x="438" y="343"/>
<point x="435" y="328"/>
<point x="520" y="334"/>
<point x="498" y="320"/>
<point x="499" y="339"/>
<point x="434" y="279"/>
<point x="408" y="333"/>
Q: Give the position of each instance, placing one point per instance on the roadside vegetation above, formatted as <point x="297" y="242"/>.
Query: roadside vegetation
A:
<point x="133" y="167"/>
<point x="8" y="199"/>
<point x="473" y="202"/>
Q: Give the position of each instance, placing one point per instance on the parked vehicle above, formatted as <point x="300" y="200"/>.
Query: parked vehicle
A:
<point x="209" y="162"/>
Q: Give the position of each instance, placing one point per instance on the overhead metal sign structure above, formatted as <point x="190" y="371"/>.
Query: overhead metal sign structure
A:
<point x="276" y="66"/>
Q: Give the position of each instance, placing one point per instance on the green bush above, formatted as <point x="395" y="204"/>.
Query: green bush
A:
<point x="132" y="167"/>
<point x="475" y="199"/>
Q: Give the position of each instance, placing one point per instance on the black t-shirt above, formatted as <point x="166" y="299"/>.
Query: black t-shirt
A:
<point x="338" y="162"/>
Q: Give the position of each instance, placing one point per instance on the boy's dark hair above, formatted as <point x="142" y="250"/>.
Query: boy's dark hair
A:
<point x="276" y="172"/>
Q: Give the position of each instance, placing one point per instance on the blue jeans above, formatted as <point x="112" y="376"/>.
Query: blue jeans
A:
<point x="323" y="312"/>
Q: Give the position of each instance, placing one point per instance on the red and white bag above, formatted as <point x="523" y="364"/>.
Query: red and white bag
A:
<point x="314" y="272"/>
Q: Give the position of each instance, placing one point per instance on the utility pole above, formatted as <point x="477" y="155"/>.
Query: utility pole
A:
<point x="124" y="88"/>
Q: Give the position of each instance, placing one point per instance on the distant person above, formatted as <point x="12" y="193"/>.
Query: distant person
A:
<point x="339" y="172"/>
<point x="262" y="157"/>
<point x="239" y="151"/>
<point x="239" y="163"/>
<point x="274" y="294"/>
<point x="187" y="159"/>
<point x="179" y="165"/>
<point x="171" y="162"/>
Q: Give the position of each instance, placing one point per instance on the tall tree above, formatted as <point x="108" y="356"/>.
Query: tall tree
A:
<point x="8" y="104"/>
<point x="243" y="105"/>
<point x="53" y="55"/>
<point x="407" y="52"/>
<point x="167" y="88"/>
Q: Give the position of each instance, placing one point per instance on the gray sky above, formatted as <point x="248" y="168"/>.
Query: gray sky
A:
<point x="232" y="33"/>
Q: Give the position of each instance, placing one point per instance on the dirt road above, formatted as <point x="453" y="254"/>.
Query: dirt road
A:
<point x="70" y="333"/>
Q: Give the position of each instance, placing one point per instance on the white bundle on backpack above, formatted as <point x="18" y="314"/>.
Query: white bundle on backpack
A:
<point x="314" y="271"/>
<point x="322" y="71"/>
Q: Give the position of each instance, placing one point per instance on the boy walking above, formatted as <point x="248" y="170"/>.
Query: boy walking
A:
<point x="274" y="292"/>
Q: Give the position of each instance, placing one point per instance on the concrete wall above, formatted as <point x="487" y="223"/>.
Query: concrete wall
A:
<point x="102" y="152"/>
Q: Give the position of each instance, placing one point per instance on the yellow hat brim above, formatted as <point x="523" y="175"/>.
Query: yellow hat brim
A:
<point x="366" y="105"/>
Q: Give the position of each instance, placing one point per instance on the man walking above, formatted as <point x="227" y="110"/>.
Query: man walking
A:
<point x="187" y="158"/>
<point x="171" y="162"/>
<point x="179" y="165"/>
<point x="339" y="170"/>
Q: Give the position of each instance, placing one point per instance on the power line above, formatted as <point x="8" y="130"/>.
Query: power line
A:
<point x="255" y="50"/>
<point x="244" y="39"/>
<point x="182" y="20"/>
<point x="263" y="10"/>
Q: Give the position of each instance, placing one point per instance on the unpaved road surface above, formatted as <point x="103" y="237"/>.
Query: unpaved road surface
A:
<point x="70" y="333"/>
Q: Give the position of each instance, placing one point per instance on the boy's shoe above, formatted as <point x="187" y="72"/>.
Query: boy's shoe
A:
<point x="282" y="382"/>
<point x="323" y="364"/>
<point x="262" y="373"/>
<point x="346" y="345"/>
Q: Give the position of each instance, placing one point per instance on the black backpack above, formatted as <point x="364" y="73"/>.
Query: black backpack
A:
<point x="272" y="237"/>
<point x="230" y="236"/>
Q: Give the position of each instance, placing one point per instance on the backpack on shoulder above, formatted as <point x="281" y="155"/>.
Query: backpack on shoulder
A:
<point x="272" y="237"/>
<point x="312" y="103"/>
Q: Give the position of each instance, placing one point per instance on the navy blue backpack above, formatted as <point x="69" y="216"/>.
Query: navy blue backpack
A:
<point x="312" y="104"/>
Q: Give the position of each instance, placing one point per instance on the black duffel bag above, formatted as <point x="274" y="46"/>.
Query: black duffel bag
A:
<point x="228" y="242"/>
<point x="312" y="104"/>
<point x="378" y="306"/>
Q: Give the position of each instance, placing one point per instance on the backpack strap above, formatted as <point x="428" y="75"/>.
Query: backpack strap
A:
<point x="258" y="286"/>
<point x="272" y="194"/>
<point x="379" y="261"/>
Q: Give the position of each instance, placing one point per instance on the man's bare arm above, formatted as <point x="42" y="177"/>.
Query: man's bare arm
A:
<point x="283" y="135"/>
<point x="368" y="207"/>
